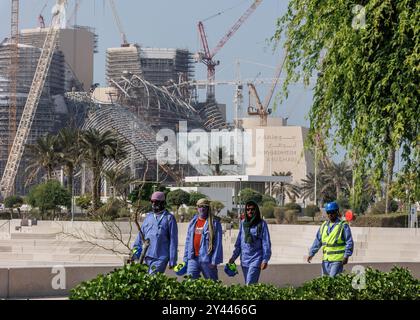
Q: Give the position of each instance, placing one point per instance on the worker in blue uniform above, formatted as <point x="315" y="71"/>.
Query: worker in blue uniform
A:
<point x="161" y="229"/>
<point x="253" y="244"/>
<point x="203" y="245"/>
<point x="334" y="236"/>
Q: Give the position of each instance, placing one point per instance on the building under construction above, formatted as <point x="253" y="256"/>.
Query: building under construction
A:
<point x="50" y="114"/>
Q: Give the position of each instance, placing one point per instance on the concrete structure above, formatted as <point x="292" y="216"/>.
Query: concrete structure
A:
<point x="224" y="195"/>
<point x="86" y="243"/>
<point x="77" y="44"/>
<point x="283" y="147"/>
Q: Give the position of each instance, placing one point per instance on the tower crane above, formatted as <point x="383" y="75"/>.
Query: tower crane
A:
<point x="119" y="24"/>
<point x="206" y="56"/>
<point x="34" y="95"/>
<point x="261" y="109"/>
<point x="14" y="64"/>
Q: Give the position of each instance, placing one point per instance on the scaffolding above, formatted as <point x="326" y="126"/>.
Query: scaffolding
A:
<point x="45" y="118"/>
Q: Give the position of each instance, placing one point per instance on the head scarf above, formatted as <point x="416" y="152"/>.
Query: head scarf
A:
<point x="251" y="222"/>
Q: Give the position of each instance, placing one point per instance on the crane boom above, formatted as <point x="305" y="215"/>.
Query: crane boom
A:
<point x="34" y="95"/>
<point x="14" y="64"/>
<point x="118" y="22"/>
<point x="235" y="27"/>
<point x="207" y="56"/>
<point x="273" y="86"/>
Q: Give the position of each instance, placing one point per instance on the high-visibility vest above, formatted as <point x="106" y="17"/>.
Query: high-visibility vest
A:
<point x="333" y="245"/>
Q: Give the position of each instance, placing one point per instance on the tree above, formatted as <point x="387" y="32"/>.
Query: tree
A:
<point x="249" y="194"/>
<point x="48" y="197"/>
<point x="285" y="188"/>
<point x="42" y="155"/>
<point x="216" y="206"/>
<point x="177" y="198"/>
<point x="97" y="147"/>
<point x="119" y="182"/>
<point x="13" y="202"/>
<point x="194" y="197"/>
<point x="69" y="152"/>
<point x="367" y="94"/>
<point x="84" y="202"/>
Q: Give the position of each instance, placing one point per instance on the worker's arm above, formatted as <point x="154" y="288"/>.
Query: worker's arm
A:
<point x="173" y="247"/>
<point x="237" y="251"/>
<point x="316" y="244"/>
<point x="188" y="242"/>
<point x="218" y="249"/>
<point x="348" y="239"/>
<point x="266" y="243"/>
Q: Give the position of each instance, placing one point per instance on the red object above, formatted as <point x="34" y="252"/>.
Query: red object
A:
<point x="349" y="215"/>
<point x="198" y="232"/>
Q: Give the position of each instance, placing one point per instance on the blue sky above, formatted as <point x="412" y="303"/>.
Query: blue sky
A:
<point x="168" y="23"/>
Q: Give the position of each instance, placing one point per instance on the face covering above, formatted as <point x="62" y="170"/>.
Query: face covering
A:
<point x="157" y="207"/>
<point x="203" y="212"/>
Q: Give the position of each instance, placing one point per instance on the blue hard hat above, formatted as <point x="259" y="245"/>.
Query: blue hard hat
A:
<point x="331" y="206"/>
<point x="230" y="269"/>
<point x="180" y="269"/>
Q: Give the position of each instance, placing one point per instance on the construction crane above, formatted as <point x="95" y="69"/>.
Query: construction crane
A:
<point x="206" y="56"/>
<point x="261" y="109"/>
<point x="34" y="95"/>
<point x="13" y="71"/>
<point x="119" y="24"/>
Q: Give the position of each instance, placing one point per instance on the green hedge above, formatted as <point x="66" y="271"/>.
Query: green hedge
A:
<point x="381" y="220"/>
<point x="133" y="283"/>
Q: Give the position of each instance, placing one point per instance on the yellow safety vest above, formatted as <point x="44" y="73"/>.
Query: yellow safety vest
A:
<point x="332" y="244"/>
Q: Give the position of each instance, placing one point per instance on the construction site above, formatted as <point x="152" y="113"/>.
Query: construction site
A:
<point x="46" y="84"/>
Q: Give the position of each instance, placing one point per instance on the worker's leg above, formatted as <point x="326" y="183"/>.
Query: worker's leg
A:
<point x="325" y="268"/>
<point x="336" y="268"/>
<point x="156" y="265"/>
<point x="208" y="272"/>
<point x="193" y="268"/>
<point x="251" y="274"/>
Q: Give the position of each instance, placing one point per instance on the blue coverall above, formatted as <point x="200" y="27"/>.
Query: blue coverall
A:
<point x="162" y="230"/>
<point x="202" y="263"/>
<point x="255" y="253"/>
<point x="333" y="268"/>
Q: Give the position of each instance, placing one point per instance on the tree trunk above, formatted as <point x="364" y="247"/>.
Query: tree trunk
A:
<point x="70" y="171"/>
<point x="390" y="171"/>
<point x="96" y="189"/>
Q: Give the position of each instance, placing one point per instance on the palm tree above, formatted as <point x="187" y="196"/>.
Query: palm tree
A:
<point x="119" y="181"/>
<point x="69" y="153"/>
<point x="324" y="193"/>
<point x="42" y="155"/>
<point x="284" y="188"/>
<point x="96" y="147"/>
<point x="338" y="176"/>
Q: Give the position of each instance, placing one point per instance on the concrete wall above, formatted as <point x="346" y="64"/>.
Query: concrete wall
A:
<point x="38" y="282"/>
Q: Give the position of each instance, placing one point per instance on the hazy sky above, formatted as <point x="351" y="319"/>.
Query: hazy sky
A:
<point x="169" y="23"/>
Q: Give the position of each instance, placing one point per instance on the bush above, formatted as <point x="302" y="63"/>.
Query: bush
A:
<point x="279" y="214"/>
<point x="379" y="207"/>
<point x="132" y="282"/>
<point x="267" y="211"/>
<point x="290" y="216"/>
<point x="343" y="203"/>
<point x="266" y="200"/>
<point x="293" y="206"/>
<point x="311" y="210"/>
<point x="381" y="220"/>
